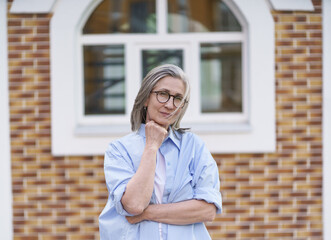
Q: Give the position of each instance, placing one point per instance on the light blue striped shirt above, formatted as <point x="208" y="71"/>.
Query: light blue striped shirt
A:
<point x="191" y="173"/>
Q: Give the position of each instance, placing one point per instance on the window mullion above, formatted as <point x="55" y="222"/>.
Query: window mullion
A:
<point x="161" y="16"/>
<point x="133" y="64"/>
<point x="79" y="81"/>
<point x="193" y="63"/>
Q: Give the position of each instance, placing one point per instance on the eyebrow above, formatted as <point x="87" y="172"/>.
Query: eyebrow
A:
<point x="167" y="90"/>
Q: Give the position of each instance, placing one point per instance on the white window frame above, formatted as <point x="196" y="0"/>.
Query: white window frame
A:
<point x="70" y="136"/>
<point x="132" y="45"/>
<point x="160" y="40"/>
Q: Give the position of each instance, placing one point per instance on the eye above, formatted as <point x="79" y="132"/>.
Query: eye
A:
<point x="164" y="94"/>
<point x="178" y="98"/>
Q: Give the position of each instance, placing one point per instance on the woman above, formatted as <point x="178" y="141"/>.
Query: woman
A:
<point x="163" y="182"/>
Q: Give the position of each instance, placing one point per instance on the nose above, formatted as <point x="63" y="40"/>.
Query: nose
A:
<point x="170" y="103"/>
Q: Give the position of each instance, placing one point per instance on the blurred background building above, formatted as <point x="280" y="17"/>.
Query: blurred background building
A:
<point x="260" y="72"/>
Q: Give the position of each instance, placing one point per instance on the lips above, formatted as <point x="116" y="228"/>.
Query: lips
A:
<point x="165" y="114"/>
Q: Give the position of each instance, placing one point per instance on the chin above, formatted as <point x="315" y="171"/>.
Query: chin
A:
<point x="164" y="123"/>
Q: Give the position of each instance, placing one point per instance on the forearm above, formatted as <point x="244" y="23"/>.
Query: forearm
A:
<point x="140" y="187"/>
<point x="181" y="213"/>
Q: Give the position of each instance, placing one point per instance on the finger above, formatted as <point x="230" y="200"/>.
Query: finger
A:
<point x="156" y="124"/>
<point x="150" y="122"/>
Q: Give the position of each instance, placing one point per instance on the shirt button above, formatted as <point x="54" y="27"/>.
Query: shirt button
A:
<point x="168" y="163"/>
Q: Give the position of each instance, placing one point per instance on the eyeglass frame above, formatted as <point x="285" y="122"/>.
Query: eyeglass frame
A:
<point x="170" y="95"/>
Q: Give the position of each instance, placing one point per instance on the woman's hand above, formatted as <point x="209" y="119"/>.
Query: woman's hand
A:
<point x="155" y="134"/>
<point x="135" y="219"/>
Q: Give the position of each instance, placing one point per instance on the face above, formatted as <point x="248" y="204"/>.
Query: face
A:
<point x="161" y="112"/>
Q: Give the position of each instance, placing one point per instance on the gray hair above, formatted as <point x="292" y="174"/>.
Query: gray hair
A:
<point x="138" y="113"/>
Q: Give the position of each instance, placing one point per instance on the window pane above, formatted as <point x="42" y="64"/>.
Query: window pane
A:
<point x="104" y="79"/>
<point x="200" y="16"/>
<point x="153" y="58"/>
<point x="221" y="79"/>
<point x="122" y="16"/>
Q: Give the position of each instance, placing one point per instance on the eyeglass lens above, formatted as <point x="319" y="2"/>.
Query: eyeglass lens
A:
<point x="164" y="97"/>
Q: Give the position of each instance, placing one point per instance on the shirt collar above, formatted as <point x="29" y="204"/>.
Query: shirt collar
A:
<point x="173" y="135"/>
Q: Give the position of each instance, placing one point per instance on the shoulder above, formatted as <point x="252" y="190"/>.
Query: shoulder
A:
<point x="195" y="144"/>
<point x="192" y="139"/>
<point x="124" y="149"/>
<point x="132" y="139"/>
<point x="194" y="147"/>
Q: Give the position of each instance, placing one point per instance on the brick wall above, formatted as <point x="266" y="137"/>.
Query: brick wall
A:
<point x="54" y="197"/>
<point x="279" y="196"/>
<point x="266" y="195"/>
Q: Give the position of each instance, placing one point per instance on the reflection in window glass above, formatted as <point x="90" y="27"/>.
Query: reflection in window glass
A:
<point x="104" y="79"/>
<point x="153" y="58"/>
<point x="221" y="77"/>
<point x="200" y="16"/>
<point x="122" y="16"/>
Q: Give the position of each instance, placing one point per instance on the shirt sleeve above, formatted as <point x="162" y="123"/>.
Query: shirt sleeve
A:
<point x="206" y="183"/>
<point x="118" y="171"/>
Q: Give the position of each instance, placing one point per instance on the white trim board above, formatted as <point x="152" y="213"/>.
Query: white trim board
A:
<point x="32" y="6"/>
<point x="292" y="5"/>
<point x="45" y="6"/>
<point x="6" y="223"/>
<point x="326" y="118"/>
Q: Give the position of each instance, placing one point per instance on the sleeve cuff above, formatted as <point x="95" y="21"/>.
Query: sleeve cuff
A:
<point x="210" y="196"/>
<point x="117" y="196"/>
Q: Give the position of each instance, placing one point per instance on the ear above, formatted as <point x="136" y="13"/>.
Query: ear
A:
<point x="146" y="102"/>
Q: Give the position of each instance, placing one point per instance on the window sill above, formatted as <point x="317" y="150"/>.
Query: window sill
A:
<point x="199" y="128"/>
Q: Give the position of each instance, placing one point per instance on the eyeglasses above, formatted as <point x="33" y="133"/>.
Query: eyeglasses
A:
<point x="164" y="97"/>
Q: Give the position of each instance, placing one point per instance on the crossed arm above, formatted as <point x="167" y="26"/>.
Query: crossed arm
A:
<point x="181" y="213"/>
<point x="139" y="189"/>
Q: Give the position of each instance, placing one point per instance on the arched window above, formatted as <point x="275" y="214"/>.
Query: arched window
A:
<point x="101" y="50"/>
<point x="201" y="36"/>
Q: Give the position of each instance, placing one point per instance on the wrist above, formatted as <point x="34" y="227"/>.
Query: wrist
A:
<point x="148" y="213"/>
<point x="151" y="148"/>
